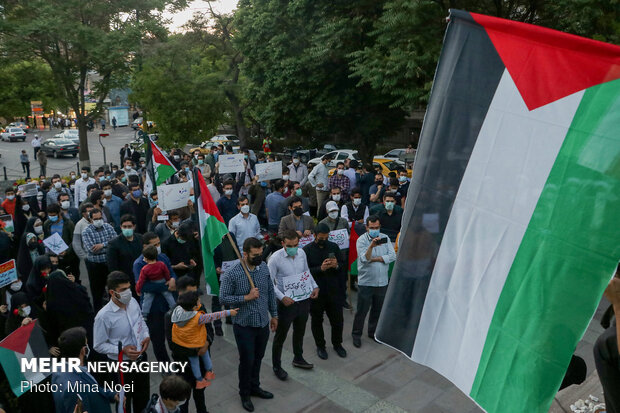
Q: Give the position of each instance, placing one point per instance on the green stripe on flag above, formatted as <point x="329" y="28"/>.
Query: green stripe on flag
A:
<point x="571" y="246"/>
<point x="163" y="172"/>
<point x="212" y="237"/>
<point x="12" y="370"/>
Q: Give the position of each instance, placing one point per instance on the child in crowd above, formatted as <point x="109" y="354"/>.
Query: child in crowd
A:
<point x="156" y="272"/>
<point x="189" y="331"/>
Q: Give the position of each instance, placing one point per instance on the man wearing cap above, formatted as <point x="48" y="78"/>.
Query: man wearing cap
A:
<point x="333" y="220"/>
<point x="318" y="178"/>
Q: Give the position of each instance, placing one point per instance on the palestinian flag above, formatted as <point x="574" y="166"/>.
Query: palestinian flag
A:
<point x="212" y="229"/>
<point x="162" y="167"/>
<point x="353" y="250"/>
<point x="520" y="157"/>
<point x="26" y="342"/>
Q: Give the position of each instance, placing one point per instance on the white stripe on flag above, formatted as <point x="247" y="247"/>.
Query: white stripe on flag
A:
<point x="513" y="155"/>
<point x="30" y="376"/>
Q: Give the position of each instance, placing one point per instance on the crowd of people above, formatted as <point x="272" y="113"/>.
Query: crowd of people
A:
<point x="145" y="267"/>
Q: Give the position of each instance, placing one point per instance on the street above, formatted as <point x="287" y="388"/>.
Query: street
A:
<point x="11" y="150"/>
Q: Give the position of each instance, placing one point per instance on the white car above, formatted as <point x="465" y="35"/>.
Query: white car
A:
<point x="337" y="156"/>
<point x="71" y="134"/>
<point x="393" y="154"/>
<point x="13" y="134"/>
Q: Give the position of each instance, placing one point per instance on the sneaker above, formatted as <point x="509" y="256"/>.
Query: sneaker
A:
<point x="209" y="375"/>
<point x="202" y="384"/>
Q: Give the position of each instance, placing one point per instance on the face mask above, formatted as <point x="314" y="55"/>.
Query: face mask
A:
<point x="291" y="251"/>
<point x="104" y="201"/>
<point x="298" y="192"/>
<point x="38" y="230"/>
<point x="53" y="218"/>
<point x="142" y="165"/>
<point x="295" y="161"/>
<point x="65" y="204"/>
<point x="285" y="177"/>
<point x="402" y="178"/>
<point x="298" y="211"/>
<point x="357" y="201"/>
<point x="114" y="170"/>
<point x="374" y="233"/>
<point x="256" y="261"/>
<point x="336" y="198"/>
<point x="228" y="192"/>
<point x="175" y="224"/>
<point x="201" y="161"/>
<point x="39" y="197"/>
<point x="124" y="297"/>
<point x="333" y="215"/>
<point x="16" y="286"/>
<point x="159" y="250"/>
<point x="57" y="185"/>
<point x="263" y="184"/>
<point x="195" y="156"/>
<point x="177" y="157"/>
<point x="107" y="192"/>
<point x="340" y="171"/>
<point x="245" y="157"/>
<point x="123" y="179"/>
<point x="245" y="209"/>
<point x="87" y="352"/>
<point x="84" y="176"/>
<point x="192" y="198"/>
<point x="10" y="197"/>
<point x="137" y="193"/>
<point x="389" y="206"/>
<point x="26" y="311"/>
<point x="72" y="187"/>
<point x="72" y="176"/>
<point x="321" y="242"/>
<point x="181" y="241"/>
<point x="98" y="223"/>
<point x="127" y="167"/>
<point x="26" y="208"/>
<point x="127" y="232"/>
<point x="187" y="169"/>
<point x="378" y="183"/>
<point x="101" y="178"/>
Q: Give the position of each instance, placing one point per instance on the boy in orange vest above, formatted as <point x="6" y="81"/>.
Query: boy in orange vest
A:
<point x="189" y="331"/>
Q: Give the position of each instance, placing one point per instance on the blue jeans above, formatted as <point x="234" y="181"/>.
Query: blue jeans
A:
<point x="194" y="362"/>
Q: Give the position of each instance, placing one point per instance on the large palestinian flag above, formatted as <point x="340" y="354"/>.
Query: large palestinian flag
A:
<point x="520" y="157"/>
<point x="162" y="166"/>
<point x="212" y="229"/>
<point x="26" y="342"/>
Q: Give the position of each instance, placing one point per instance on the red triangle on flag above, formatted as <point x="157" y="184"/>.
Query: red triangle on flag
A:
<point x="18" y="340"/>
<point x="547" y="65"/>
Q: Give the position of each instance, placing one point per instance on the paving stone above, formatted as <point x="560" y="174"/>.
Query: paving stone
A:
<point x="327" y="406"/>
<point x="415" y="396"/>
<point x="455" y="401"/>
<point x="383" y="406"/>
<point x="372" y="384"/>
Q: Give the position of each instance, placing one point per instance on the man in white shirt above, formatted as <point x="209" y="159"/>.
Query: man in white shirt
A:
<point x="81" y="186"/>
<point x="319" y="179"/>
<point x="36" y="144"/>
<point x="298" y="172"/>
<point x="245" y="224"/>
<point x="81" y="225"/>
<point x="120" y="324"/>
<point x="289" y="266"/>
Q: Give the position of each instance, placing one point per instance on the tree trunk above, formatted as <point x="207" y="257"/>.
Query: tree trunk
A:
<point x="82" y="128"/>
<point x="242" y="130"/>
<point x="366" y="149"/>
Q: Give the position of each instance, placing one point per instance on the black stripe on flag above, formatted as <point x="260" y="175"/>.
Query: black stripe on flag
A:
<point x="467" y="76"/>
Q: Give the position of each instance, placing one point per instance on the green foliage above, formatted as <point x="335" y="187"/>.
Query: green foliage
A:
<point x="22" y="82"/>
<point x="178" y="86"/>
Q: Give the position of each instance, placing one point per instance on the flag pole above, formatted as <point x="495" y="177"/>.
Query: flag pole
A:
<point x="234" y="245"/>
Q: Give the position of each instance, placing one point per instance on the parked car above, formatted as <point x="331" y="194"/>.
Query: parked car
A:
<point x="137" y="124"/>
<point x="390" y="165"/>
<point x="13" y="134"/>
<point x="71" y="134"/>
<point x="58" y="147"/>
<point x="393" y="154"/>
<point x="337" y="156"/>
<point x="23" y="125"/>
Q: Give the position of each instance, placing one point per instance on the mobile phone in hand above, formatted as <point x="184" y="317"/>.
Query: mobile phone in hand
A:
<point x="331" y="255"/>
<point x="382" y="241"/>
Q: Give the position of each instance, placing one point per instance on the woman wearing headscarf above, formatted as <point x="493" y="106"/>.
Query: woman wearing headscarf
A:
<point x="21" y="313"/>
<point x="67" y="306"/>
<point x="23" y="212"/>
<point x="30" y="247"/>
<point x="37" y="279"/>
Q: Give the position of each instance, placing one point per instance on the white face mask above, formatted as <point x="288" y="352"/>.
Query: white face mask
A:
<point x="16" y="286"/>
<point x="38" y="230"/>
<point x="175" y="224"/>
<point x="65" y="204"/>
<point x="98" y="223"/>
<point x="84" y="176"/>
<point x="357" y="201"/>
<point x="285" y="177"/>
<point x="26" y="310"/>
<point x="340" y="171"/>
<point x="127" y="167"/>
<point x="124" y="297"/>
<point x="295" y="161"/>
<point x="57" y="185"/>
<point x="228" y="192"/>
<point x="333" y="214"/>
<point x="39" y="197"/>
<point x="159" y="250"/>
<point x="336" y="197"/>
<point x="245" y="209"/>
<point x="10" y="197"/>
<point x="26" y="208"/>
<point x="107" y="192"/>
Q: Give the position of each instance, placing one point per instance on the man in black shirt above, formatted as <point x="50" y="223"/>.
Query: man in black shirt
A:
<point x="328" y="268"/>
<point x="184" y="252"/>
<point x="138" y="206"/>
<point x="124" y="249"/>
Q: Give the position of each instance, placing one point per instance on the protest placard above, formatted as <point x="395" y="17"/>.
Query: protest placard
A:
<point x="55" y="243"/>
<point x="303" y="241"/>
<point x="231" y="163"/>
<point x="298" y="286"/>
<point x="268" y="171"/>
<point x="28" y="190"/>
<point x="8" y="273"/>
<point x="173" y="196"/>
<point x="340" y="237"/>
<point x="6" y="222"/>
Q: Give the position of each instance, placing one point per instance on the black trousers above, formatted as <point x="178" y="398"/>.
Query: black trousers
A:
<point x="97" y="277"/>
<point x="251" y="344"/>
<point x="607" y="363"/>
<point x="36" y="149"/>
<point x="155" y="323"/>
<point x="368" y="299"/>
<point x="332" y="306"/>
<point x="297" y="315"/>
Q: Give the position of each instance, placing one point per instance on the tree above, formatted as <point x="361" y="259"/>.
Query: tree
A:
<point x="82" y="38"/>
<point x="23" y="82"/>
<point x="178" y="86"/>
<point x="407" y="37"/>
<point x="297" y="55"/>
